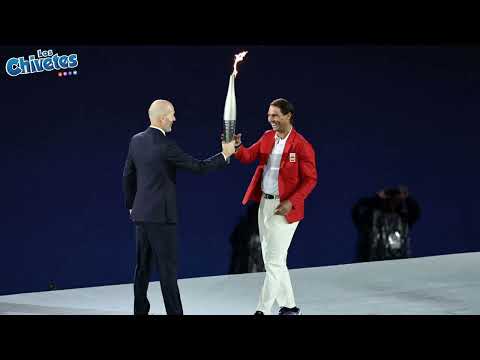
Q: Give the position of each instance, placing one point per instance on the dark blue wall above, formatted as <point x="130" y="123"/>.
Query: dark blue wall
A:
<point x="377" y="116"/>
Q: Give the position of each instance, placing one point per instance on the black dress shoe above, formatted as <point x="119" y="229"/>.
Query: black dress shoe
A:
<point x="258" y="313"/>
<point x="289" y="311"/>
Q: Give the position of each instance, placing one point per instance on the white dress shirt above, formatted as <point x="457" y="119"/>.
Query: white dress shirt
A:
<point x="270" y="173"/>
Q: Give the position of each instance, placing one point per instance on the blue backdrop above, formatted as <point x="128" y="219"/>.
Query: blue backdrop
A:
<point x="376" y="116"/>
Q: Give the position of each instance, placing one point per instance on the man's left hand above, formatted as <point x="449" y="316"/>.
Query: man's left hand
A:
<point x="284" y="208"/>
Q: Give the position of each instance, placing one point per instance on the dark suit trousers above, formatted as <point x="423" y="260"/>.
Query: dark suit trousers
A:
<point x="156" y="242"/>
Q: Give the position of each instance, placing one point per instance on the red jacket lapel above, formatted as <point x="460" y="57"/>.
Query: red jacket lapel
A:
<point x="288" y="146"/>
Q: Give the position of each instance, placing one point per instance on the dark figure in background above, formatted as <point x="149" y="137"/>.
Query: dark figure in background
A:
<point x="384" y="222"/>
<point x="246" y="246"/>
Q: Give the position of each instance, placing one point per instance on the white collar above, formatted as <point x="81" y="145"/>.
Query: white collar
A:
<point x="163" y="131"/>
<point x="286" y="137"/>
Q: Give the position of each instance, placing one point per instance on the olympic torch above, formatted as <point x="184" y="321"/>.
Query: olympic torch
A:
<point x="230" y="110"/>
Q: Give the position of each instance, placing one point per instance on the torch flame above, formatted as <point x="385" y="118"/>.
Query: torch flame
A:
<point x="238" y="58"/>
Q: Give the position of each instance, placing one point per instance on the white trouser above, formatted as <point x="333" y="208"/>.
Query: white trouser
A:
<point x="275" y="235"/>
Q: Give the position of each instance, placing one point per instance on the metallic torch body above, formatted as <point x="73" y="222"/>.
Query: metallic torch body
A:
<point x="230" y="111"/>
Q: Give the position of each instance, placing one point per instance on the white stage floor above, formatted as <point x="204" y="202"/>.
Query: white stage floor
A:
<point x="437" y="285"/>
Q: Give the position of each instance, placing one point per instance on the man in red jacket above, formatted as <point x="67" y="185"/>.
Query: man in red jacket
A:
<point x="285" y="176"/>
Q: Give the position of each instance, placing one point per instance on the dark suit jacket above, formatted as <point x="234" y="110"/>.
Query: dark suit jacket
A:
<point x="149" y="175"/>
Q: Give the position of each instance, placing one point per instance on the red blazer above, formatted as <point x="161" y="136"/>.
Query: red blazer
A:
<point x="297" y="175"/>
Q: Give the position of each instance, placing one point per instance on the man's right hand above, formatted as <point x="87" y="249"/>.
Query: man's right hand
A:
<point x="228" y="149"/>
<point x="238" y="139"/>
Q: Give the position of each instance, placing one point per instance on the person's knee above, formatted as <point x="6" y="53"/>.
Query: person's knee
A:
<point x="168" y="271"/>
<point x="275" y="265"/>
<point x="142" y="269"/>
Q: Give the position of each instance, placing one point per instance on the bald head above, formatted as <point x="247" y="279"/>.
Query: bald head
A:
<point x="159" y="108"/>
<point x="162" y="114"/>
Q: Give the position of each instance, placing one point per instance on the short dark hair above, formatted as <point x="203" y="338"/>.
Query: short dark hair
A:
<point x="285" y="107"/>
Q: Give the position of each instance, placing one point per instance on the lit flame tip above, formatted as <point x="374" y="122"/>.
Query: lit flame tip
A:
<point x="238" y="57"/>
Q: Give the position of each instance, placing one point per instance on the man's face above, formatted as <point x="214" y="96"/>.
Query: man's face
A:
<point x="168" y="119"/>
<point x="279" y="122"/>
